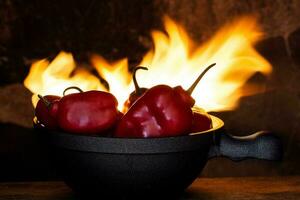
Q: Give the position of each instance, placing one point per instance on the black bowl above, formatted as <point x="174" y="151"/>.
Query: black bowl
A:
<point x="129" y="167"/>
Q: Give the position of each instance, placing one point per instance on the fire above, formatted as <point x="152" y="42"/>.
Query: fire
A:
<point x="117" y="75"/>
<point x="175" y="60"/>
<point x="52" y="78"/>
<point x="231" y="48"/>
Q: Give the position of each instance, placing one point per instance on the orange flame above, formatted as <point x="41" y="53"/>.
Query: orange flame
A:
<point x="117" y="75"/>
<point x="231" y="48"/>
<point x="173" y="61"/>
<point x="52" y="78"/>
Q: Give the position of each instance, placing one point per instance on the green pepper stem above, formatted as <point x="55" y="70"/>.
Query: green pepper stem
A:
<point x="45" y="101"/>
<point x="193" y="86"/>
<point x="136" y="85"/>
<point x="72" y="87"/>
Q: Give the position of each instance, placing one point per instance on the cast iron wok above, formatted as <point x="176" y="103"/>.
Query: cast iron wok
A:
<point x="122" y="166"/>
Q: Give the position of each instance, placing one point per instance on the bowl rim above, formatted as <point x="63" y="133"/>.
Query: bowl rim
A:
<point x="217" y="124"/>
<point x="115" y="145"/>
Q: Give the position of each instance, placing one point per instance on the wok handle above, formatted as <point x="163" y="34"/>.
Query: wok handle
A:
<point x="260" y="145"/>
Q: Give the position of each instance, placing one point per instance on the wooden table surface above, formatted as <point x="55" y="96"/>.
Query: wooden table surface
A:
<point x="242" y="188"/>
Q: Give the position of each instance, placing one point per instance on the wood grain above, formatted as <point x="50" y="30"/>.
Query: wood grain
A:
<point x="243" y="188"/>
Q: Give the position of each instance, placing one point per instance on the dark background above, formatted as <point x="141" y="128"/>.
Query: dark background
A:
<point x="35" y="29"/>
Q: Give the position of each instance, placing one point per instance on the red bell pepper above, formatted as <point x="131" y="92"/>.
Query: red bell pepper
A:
<point x="138" y="91"/>
<point x="161" y="112"/>
<point x="201" y="122"/>
<point x="90" y="112"/>
<point x="44" y="111"/>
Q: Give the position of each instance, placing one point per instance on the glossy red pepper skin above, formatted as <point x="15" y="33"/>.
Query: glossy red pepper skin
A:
<point x="161" y="112"/>
<point x="201" y="122"/>
<point x="91" y="112"/>
<point x="44" y="113"/>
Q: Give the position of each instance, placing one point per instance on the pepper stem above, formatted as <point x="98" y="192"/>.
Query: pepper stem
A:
<point x="136" y="85"/>
<point x="72" y="87"/>
<point x="193" y="86"/>
<point x="45" y="101"/>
